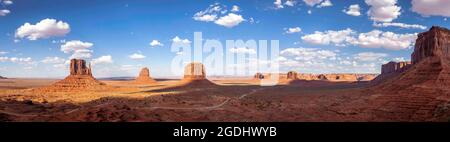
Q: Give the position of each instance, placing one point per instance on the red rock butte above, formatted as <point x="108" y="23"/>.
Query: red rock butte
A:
<point x="259" y="76"/>
<point x="144" y="76"/>
<point x="292" y="75"/>
<point x="80" y="79"/>
<point x="430" y="63"/>
<point x="194" y="74"/>
<point x="1" y="77"/>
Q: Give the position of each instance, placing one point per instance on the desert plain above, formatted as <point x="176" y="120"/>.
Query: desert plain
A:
<point x="404" y="91"/>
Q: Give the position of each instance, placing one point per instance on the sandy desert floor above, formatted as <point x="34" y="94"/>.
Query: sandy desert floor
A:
<point x="237" y="100"/>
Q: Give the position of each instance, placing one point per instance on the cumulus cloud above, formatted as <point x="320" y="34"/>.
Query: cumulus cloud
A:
<point x="155" y="43"/>
<point x="307" y="54"/>
<point x="43" y="29"/>
<point x="3" y="52"/>
<point x="431" y="7"/>
<point x="338" y="38"/>
<point x="107" y="59"/>
<point x="4" y="12"/>
<point x="243" y="50"/>
<point x="325" y="3"/>
<point x="218" y="14"/>
<point x="369" y="56"/>
<point x="353" y="10"/>
<point x="401" y="25"/>
<point x="178" y="40"/>
<point x="79" y="49"/>
<point x="383" y="10"/>
<point x="293" y="30"/>
<point x="230" y="20"/>
<point x="387" y="40"/>
<point x="372" y="39"/>
<point x="137" y="56"/>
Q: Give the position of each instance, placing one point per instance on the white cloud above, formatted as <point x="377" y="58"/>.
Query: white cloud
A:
<point x="290" y="3"/>
<point x="206" y="18"/>
<point x="18" y="60"/>
<point x="338" y="38"/>
<point x="387" y="40"/>
<point x="235" y="8"/>
<point x="372" y="39"/>
<point x="230" y="20"/>
<point x="7" y="2"/>
<point x="3" y="52"/>
<point x="107" y="59"/>
<point x="312" y="2"/>
<point x="75" y="45"/>
<point x="369" y="56"/>
<point x="383" y="10"/>
<point x="401" y="25"/>
<point x="53" y="60"/>
<point x="293" y="30"/>
<point x="79" y="49"/>
<point x="155" y="43"/>
<point x="326" y="3"/>
<point x="309" y="12"/>
<point x="431" y="7"/>
<point x="178" y="40"/>
<point x="137" y="56"/>
<point x="218" y="14"/>
<point x="4" y="12"/>
<point x="242" y="50"/>
<point x="353" y="10"/>
<point x="43" y="29"/>
<point x="81" y="54"/>
<point x="308" y="54"/>
<point x="278" y="4"/>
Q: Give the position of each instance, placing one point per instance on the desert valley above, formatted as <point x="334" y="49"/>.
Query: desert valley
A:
<point x="404" y="91"/>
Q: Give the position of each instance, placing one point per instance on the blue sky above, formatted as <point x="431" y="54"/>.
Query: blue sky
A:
<point x="120" y="28"/>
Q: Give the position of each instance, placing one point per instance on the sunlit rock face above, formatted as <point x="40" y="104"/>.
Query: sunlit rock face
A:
<point x="433" y="43"/>
<point x="194" y="71"/>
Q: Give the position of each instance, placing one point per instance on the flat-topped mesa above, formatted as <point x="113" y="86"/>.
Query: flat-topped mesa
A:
<point x="194" y="71"/>
<point x="292" y="75"/>
<point x="78" y="67"/>
<point x="435" y="42"/>
<point x="144" y="76"/>
<point x="395" y="67"/>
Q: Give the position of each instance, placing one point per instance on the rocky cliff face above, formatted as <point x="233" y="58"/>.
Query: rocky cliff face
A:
<point x="395" y="67"/>
<point x="79" y="67"/>
<point x="1" y="77"/>
<point x="435" y="42"/>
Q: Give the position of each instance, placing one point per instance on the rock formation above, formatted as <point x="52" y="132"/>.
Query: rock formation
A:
<point x="391" y="70"/>
<point x="258" y="76"/>
<point x="80" y="79"/>
<point x="144" y="77"/>
<point x="421" y="92"/>
<point x="434" y="43"/>
<point x="194" y="71"/>
<point x="1" y="77"/>
<point x="292" y="75"/>
<point x="194" y="74"/>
